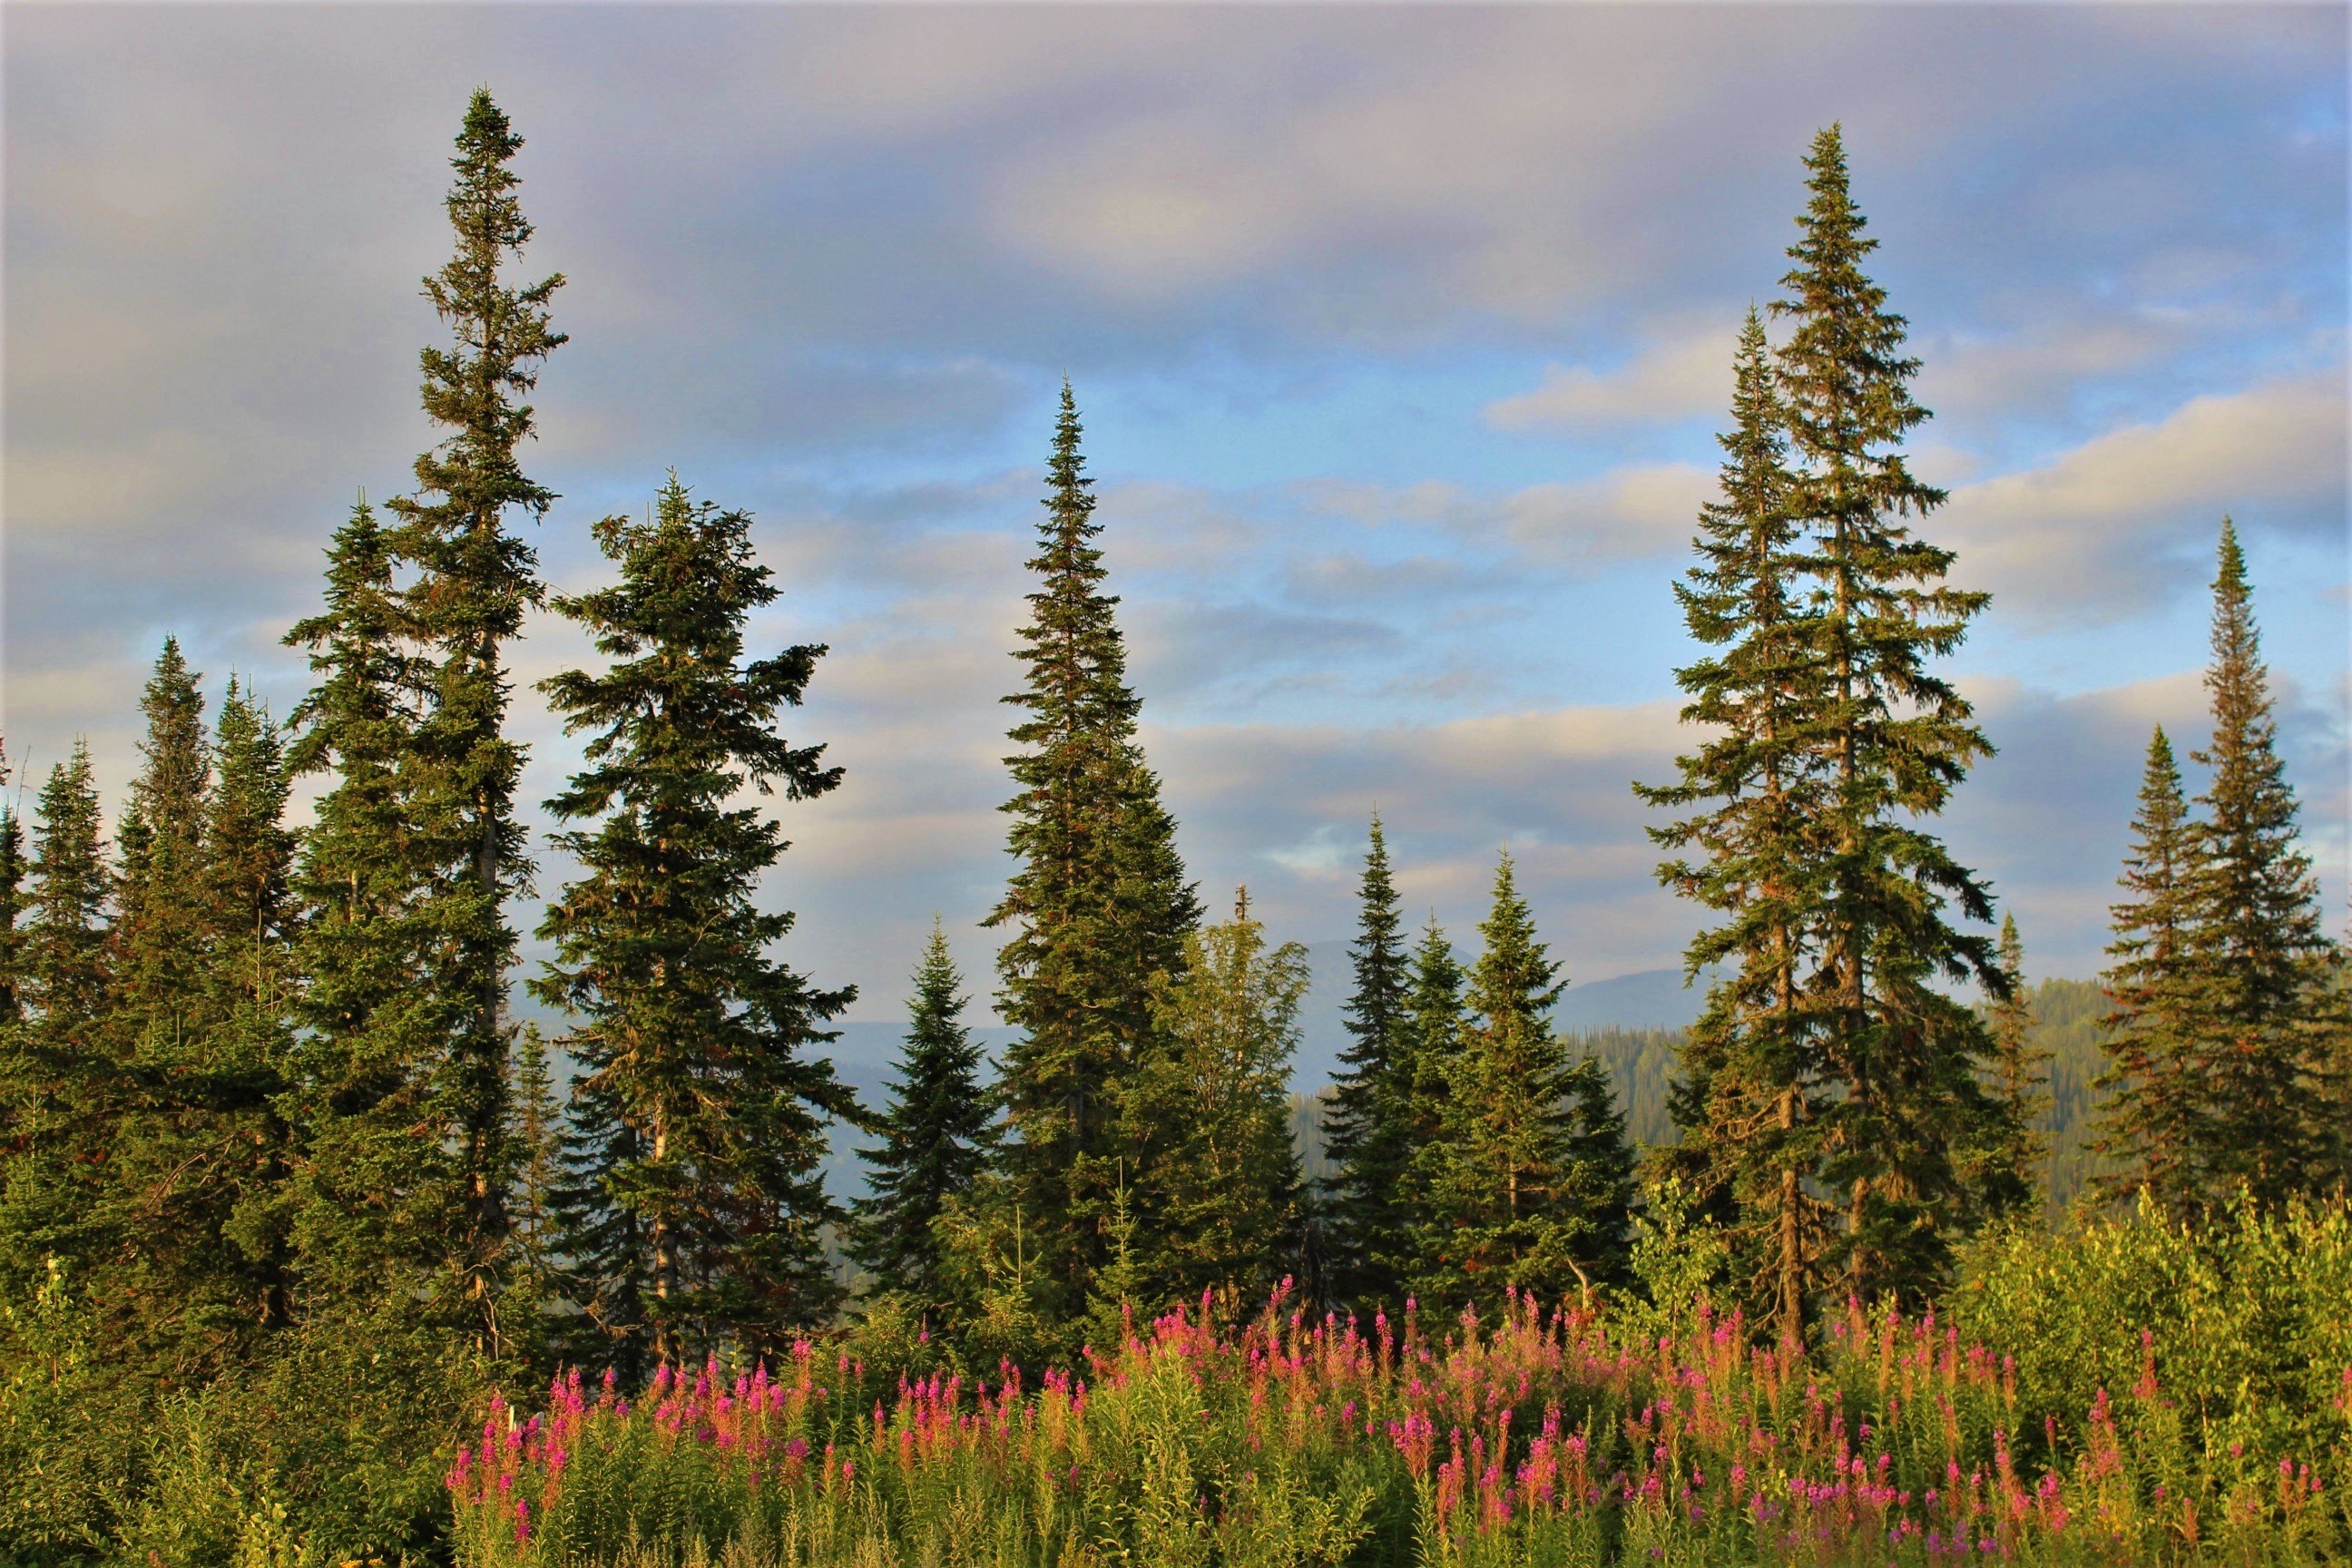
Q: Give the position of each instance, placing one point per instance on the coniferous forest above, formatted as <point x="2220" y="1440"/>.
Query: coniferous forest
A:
<point x="312" y="1253"/>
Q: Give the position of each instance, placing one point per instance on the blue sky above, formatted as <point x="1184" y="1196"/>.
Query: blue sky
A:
<point x="1400" y="334"/>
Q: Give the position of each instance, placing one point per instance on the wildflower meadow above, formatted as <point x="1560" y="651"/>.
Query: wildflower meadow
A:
<point x="1581" y="1434"/>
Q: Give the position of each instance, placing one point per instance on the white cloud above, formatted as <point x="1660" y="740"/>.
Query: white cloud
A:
<point x="1678" y="378"/>
<point x="1642" y="509"/>
<point x="2106" y="528"/>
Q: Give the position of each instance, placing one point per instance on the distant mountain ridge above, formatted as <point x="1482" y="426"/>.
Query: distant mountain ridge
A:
<point x="1648" y="999"/>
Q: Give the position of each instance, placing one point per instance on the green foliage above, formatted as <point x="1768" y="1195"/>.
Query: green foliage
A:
<point x="1209" y="1113"/>
<point x="195" y="1204"/>
<point x="1635" y="1434"/>
<point x="158" y="934"/>
<point x="1890" y="741"/>
<point x="473" y="581"/>
<point x="936" y="1136"/>
<point x="706" y="1132"/>
<point x="369" y="1197"/>
<point x="2261" y="969"/>
<point x="1751" y="1098"/>
<point x="69" y="1426"/>
<point x="11" y="909"/>
<point x="2010" y="1168"/>
<point x="1098" y="906"/>
<point x="1529" y="1181"/>
<point x="60" y="1070"/>
<point x="1369" y="1132"/>
<point x="2243" y="1321"/>
<point x="1680" y="1259"/>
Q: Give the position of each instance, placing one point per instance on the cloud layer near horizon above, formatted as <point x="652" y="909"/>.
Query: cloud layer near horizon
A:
<point x="1400" y="337"/>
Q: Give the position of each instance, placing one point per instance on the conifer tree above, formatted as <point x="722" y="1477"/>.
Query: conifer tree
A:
<point x="2014" y="1175"/>
<point x="1749" y="1096"/>
<point x="63" y="1086"/>
<point x="1210" y="1113"/>
<point x="2154" y="1103"/>
<point x="1431" y="1040"/>
<point x="159" y="931"/>
<point x="473" y="582"/>
<point x="11" y="909"/>
<point x="693" y="1043"/>
<point x="1433" y="1029"/>
<point x="249" y="992"/>
<point x="936" y="1136"/>
<point x="1530" y="1181"/>
<point x="1097" y="905"/>
<point x="1368" y="1130"/>
<point x="536" y="1278"/>
<point x="248" y="867"/>
<point x="197" y="1195"/>
<point x="69" y="963"/>
<point x="2261" y="968"/>
<point x="378" y="1191"/>
<point x="1894" y="738"/>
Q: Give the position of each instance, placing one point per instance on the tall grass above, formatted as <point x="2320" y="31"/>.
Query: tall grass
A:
<point x="1527" y="1439"/>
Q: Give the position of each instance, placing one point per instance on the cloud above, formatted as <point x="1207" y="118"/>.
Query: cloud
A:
<point x="2120" y="521"/>
<point x="1682" y="378"/>
<point x="831" y="262"/>
<point x="2039" y="368"/>
<point x="1630" y="513"/>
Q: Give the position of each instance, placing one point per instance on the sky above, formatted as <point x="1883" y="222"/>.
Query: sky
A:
<point x="1400" y="334"/>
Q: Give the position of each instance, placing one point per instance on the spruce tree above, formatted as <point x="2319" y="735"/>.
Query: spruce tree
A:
<point x="473" y="583"/>
<point x="694" y="1045"/>
<point x="197" y="1194"/>
<point x="936" y="1136"/>
<point x="63" y="1079"/>
<point x="1209" y="1114"/>
<point x="537" y="1279"/>
<point x="2014" y="1175"/>
<point x="158" y="933"/>
<point x="1749" y="1098"/>
<point x="12" y="908"/>
<point x="1530" y="1181"/>
<point x="1894" y="738"/>
<point x="1097" y="905"/>
<point x="377" y="1190"/>
<point x="2148" y="1129"/>
<point x="2261" y="968"/>
<point x="1368" y="1129"/>
<point x="1431" y="1040"/>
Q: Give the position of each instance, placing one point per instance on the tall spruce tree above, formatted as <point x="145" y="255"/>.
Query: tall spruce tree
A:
<point x="2261" y="968"/>
<point x="63" y="1076"/>
<point x="1097" y="905"/>
<point x="159" y="929"/>
<point x="1209" y="1114"/>
<point x="1894" y="740"/>
<point x="1529" y="1181"/>
<point x="1749" y="1096"/>
<point x="473" y="582"/>
<point x="694" y="1044"/>
<point x="1431" y="1038"/>
<point x="937" y="1136"/>
<point x="1368" y="1129"/>
<point x="2155" y="1090"/>
<point x="378" y="1190"/>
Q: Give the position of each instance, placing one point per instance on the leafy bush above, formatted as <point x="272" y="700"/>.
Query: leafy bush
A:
<point x="2244" y="1321"/>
